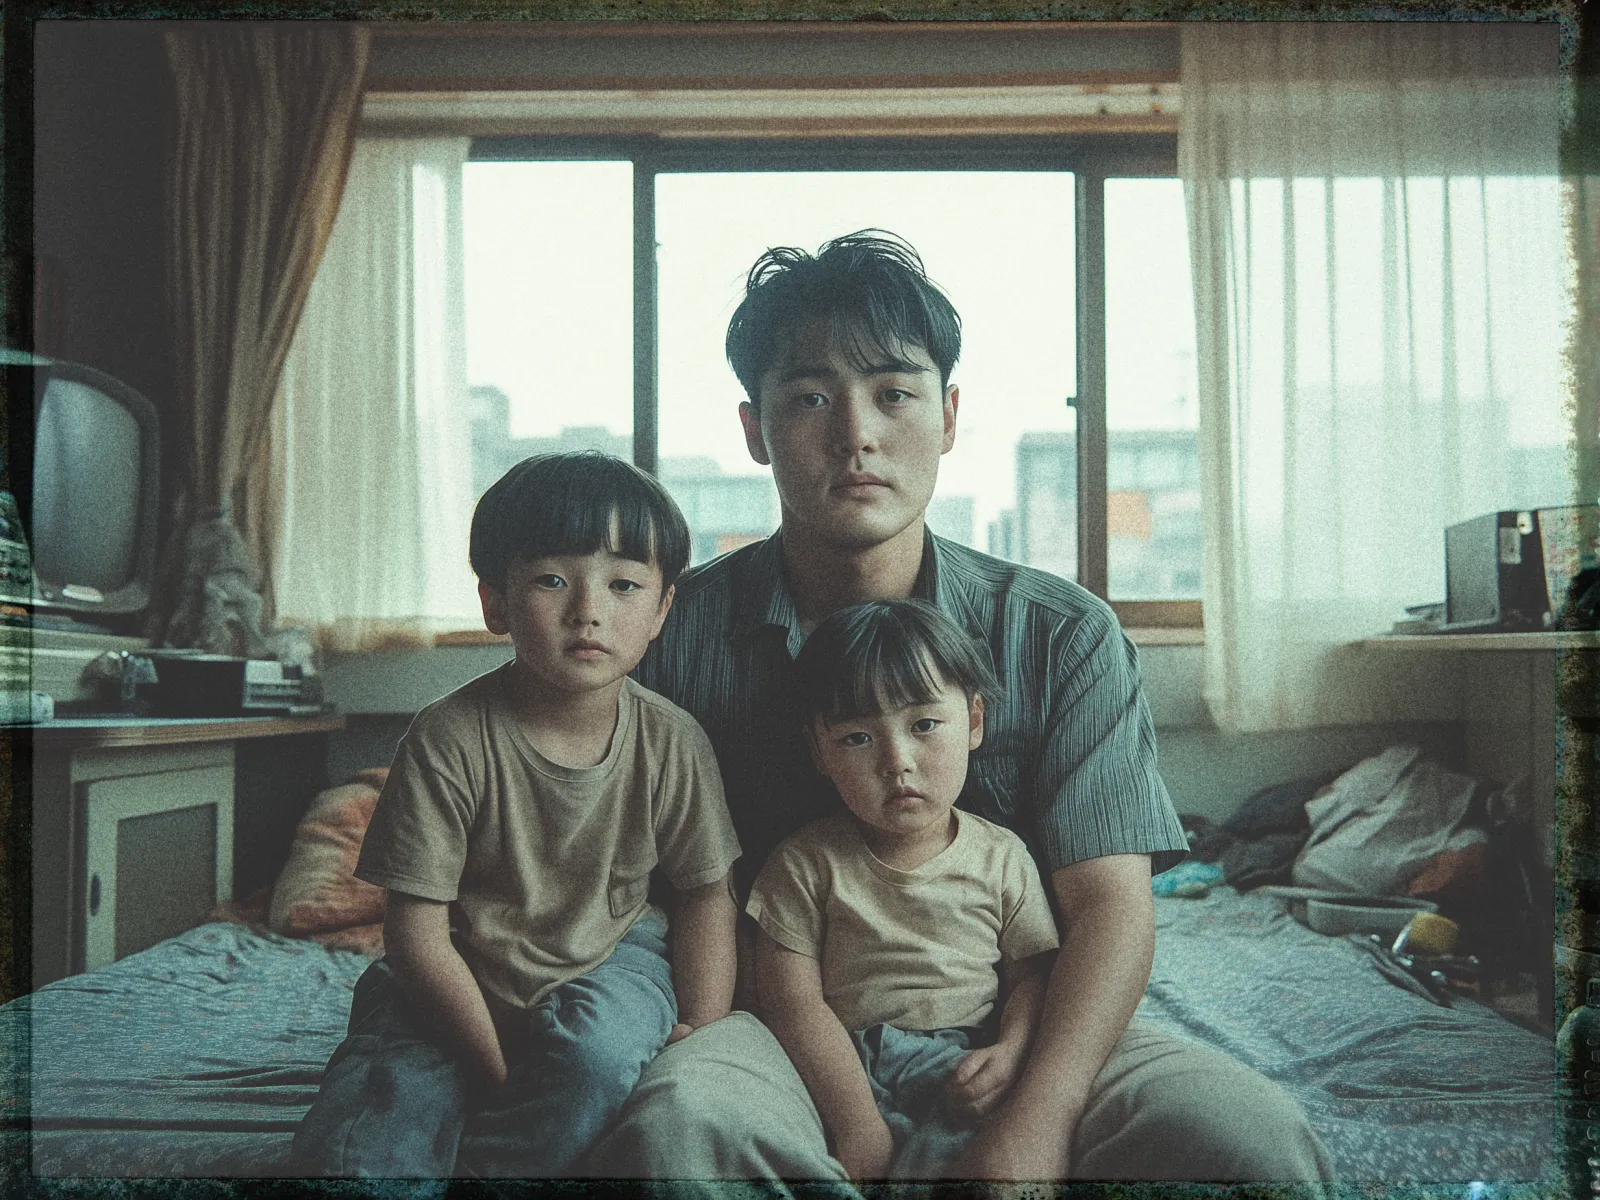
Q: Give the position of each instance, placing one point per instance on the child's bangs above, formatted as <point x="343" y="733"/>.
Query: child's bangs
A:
<point x="882" y="678"/>
<point x="574" y="524"/>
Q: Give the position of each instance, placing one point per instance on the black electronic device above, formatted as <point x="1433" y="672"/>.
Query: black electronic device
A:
<point x="1515" y="570"/>
<point x="180" y="683"/>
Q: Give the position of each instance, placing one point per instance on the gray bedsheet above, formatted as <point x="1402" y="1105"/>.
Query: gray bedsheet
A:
<point x="1399" y="1089"/>
<point x="198" y="1056"/>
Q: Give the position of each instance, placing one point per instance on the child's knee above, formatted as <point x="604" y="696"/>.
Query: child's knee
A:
<point x="598" y="1063"/>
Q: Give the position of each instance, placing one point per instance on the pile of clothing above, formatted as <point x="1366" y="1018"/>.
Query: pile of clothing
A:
<point x="1398" y="823"/>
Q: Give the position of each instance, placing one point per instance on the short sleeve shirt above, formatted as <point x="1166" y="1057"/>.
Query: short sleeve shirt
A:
<point x="1068" y="759"/>
<point x="545" y="866"/>
<point x="916" y="949"/>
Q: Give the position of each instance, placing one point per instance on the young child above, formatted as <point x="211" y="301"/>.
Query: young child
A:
<point x="526" y="982"/>
<point x="882" y="927"/>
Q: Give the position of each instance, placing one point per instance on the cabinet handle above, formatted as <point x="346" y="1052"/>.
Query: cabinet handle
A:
<point x="94" y="895"/>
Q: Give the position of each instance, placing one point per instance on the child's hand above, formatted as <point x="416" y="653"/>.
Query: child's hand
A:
<point x="679" y="1032"/>
<point x="492" y="1072"/>
<point x="865" y="1152"/>
<point x="982" y="1080"/>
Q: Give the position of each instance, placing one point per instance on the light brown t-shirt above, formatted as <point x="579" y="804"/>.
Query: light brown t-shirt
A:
<point x="546" y="866"/>
<point x="915" y="949"/>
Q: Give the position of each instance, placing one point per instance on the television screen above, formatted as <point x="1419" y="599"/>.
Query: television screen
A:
<point x="96" y="476"/>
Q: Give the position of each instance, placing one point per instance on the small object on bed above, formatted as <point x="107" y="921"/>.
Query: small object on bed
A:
<point x="1189" y="879"/>
<point x="1387" y="915"/>
<point x="1430" y="985"/>
<point x="1428" y="933"/>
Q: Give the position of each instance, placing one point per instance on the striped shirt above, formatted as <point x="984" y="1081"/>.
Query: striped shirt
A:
<point x="1068" y="759"/>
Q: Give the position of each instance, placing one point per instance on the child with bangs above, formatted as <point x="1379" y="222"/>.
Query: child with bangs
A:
<point x="904" y="943"/>
<point x="527" y="978"/>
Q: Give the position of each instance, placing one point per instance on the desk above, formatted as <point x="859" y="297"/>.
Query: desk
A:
<point x="136" y="832"/>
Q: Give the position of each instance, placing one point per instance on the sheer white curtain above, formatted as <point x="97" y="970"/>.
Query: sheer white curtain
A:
<point x="372" y="438"/>
<point x="1380" y="292"/>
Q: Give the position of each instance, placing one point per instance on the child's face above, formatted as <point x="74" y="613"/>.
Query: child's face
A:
<point x="579" y="622"/>
<point x="901" y="770"/>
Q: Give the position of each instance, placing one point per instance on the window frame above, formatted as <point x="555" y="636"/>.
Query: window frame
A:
<point x="1092" y="158"/>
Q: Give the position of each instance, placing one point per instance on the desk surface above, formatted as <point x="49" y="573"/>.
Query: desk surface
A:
<point x="1574" y="639"/>
<point x="108" y="730"/>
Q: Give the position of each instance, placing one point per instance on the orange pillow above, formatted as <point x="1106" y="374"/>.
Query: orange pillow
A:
<point x="316" y="894"/>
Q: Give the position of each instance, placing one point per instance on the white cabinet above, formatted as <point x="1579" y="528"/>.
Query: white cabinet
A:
<point x="133" y="829"/>
<point x="158" y="851"/>
<point x="131" y="845"/>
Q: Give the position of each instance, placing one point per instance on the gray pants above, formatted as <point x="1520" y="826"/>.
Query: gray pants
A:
<point x="908" y="1070"/>
<point x="726" y="1104"/>
<point x="396" y="1104"/>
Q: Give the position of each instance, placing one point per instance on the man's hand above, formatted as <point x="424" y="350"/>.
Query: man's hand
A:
<point x="865" y="1151"/>
<point x="983" y="1079"/>
<point x="1002" y="1149"/>
<point x="1107" y="939"/>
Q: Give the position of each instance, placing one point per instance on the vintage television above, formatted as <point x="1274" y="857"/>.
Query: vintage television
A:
<point x="94" y="495"/>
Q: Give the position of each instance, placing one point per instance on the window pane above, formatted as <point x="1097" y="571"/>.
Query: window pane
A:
<point x="549" y="283"/>
<point x="1152" y="414"/>
<point x="999" y="243"/>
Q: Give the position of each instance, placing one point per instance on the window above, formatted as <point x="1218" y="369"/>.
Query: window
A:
<point x="1076" y="445"/>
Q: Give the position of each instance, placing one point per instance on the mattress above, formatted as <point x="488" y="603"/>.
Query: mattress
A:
<point x="195" y="1057"/>
<point x="198" y="1056"/>
<point x="1398" y="1088"/>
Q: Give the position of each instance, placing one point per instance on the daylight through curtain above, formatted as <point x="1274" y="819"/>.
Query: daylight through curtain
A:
<point x="370" y="444"/>
<point x="1380" y="279"/>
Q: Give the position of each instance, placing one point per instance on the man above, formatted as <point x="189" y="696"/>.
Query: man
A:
<point x="846" y="359"/>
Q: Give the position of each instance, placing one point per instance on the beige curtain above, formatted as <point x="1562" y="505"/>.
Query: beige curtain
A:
<point x="265" y="121"/>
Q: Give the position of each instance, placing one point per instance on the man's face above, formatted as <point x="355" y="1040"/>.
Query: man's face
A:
<point x="854" y="450"/>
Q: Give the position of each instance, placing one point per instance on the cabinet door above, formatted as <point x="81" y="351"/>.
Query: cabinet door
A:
<point x="159" y="854"/>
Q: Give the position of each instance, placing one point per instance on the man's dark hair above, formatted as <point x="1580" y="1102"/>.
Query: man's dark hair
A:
<point x="871" y="285"/>
<point x="883" y="655"/>
<point x="573" y="504"/>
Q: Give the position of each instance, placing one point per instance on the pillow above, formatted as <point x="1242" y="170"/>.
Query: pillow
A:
<point x="316" y="895"/>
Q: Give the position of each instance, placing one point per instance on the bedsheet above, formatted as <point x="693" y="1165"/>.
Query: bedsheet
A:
<point x="198" y="1056"/>
<point x="1398" y="1088"/>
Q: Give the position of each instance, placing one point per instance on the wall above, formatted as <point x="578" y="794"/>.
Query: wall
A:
<point x="101" y="109"/>
<point x="469" y="57"/>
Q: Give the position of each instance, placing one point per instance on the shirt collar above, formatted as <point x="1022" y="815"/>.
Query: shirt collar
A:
<point x="941" y="583"/>
<point x="761" y="594"/>
<point x="762" y="600"/>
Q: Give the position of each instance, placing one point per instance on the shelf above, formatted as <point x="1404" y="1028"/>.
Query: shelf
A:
<point x="85" y="732"/>
<point x="1155" y="636"/>
<point x="1564" y="640"/>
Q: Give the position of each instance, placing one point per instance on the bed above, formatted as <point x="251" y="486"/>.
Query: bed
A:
<point x="198" y="1056"/>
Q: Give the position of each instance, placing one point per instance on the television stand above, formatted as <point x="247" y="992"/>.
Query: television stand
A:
<point x="141" y="825"/>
